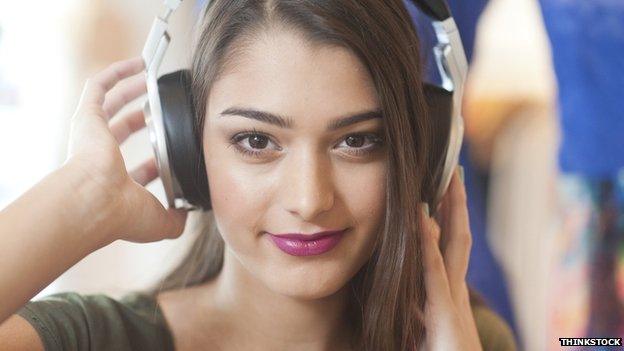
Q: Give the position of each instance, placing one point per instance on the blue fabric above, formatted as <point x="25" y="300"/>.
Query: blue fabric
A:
<point x="587" y="39"/>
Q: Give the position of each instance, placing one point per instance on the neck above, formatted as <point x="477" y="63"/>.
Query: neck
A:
<point x="257" y="316"/>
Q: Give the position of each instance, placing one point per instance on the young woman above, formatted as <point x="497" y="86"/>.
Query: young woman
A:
<point x="313" y="119"/>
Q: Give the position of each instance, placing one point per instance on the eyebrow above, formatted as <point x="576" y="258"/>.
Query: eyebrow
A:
<point x="287" y="122"/>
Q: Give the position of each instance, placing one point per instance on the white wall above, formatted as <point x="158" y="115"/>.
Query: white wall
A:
<point x="33" y="68"/>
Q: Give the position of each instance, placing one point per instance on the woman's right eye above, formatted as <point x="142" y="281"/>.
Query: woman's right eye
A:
<point x="251" y="143"/>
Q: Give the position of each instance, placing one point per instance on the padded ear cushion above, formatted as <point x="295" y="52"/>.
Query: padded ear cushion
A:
<point x="185" y="154"/>
<point x="436" y="9"/>
<point x="440" y="109"/>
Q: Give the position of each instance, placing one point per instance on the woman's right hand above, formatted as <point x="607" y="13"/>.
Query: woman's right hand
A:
<point x="131" y="212"/>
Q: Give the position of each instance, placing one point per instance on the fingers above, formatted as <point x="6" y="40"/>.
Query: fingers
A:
<point x="123" y="127"/>
<point x="449" y="318"/>
<point x="96" y="87"/>
<point x="121" y="95"/>
<point x="145" y="173"/>
<point x="459" y="239"/>
<point x="436" y="282"/>
<point x="442" y="217"/>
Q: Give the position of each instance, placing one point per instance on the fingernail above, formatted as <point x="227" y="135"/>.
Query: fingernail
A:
<point x="426" y="209"/>
<point x="461" y="173"/>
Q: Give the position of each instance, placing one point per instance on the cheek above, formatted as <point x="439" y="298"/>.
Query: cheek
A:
<point x="236" y="194"/>
<point x="364" y="196"/>
<point x="364" y="193"/>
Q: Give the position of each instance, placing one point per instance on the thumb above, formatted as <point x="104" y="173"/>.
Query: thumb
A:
<point x="175" y="222"/>
<point x="155" y="221"/>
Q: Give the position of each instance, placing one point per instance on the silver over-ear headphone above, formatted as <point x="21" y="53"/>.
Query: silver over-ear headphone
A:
<point x="170" y="115"/>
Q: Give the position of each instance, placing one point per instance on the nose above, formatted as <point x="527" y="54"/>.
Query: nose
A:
<point x="309" y="189"/>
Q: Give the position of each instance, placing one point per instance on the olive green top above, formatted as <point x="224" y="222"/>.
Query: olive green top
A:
<point x="72" y="321"/>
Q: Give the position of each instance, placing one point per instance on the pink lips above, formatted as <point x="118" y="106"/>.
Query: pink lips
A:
<point x="307" y="245"/>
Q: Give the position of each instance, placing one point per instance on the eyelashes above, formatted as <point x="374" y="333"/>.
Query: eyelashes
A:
<point x="259" y="139"/>
<point x="255" y="144"/>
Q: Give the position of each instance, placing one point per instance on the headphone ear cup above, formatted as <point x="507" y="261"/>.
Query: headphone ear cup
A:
<point x="440" y="109"/>
<point x="436" y="9"/>
<point x="185" y="154"/>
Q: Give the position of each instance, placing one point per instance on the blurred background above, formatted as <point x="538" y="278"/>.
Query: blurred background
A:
<point x="543" y="151"/>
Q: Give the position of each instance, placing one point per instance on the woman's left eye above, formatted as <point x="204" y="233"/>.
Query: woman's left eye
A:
<point x="362" y="143"/>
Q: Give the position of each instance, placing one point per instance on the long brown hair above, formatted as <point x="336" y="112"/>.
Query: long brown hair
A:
<point x="388" y="292"/>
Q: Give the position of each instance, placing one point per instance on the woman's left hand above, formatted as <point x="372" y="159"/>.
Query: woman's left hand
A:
<point x="449" y="321"/>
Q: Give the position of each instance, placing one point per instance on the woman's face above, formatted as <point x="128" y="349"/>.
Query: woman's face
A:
<point x="302" y="178"/>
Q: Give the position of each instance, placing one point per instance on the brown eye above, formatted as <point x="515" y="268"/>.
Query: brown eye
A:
<point x="355" y="140"/>
<point x="361" y="144"/>
<point x="258" y="141"/>
<point x="253" y="143"/>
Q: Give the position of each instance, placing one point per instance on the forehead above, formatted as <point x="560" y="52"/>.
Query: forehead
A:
<point x="281" y="72"/>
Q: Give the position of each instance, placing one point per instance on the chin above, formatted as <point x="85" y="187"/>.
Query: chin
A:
<point x="306" y="284"/>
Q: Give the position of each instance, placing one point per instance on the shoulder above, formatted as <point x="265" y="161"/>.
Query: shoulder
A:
<point x="72" y="321"/>
<point x="494" y="332"/>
